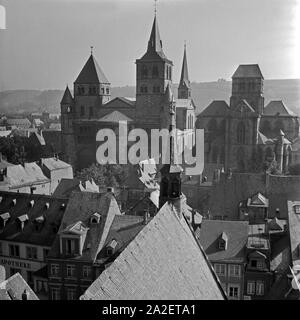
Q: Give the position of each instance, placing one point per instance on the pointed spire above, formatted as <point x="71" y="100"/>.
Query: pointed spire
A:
<point x="184" y="78"/>
<point x="67" y="97"/>
<point x="155" y="42"/>
<point x="91" y="72"/>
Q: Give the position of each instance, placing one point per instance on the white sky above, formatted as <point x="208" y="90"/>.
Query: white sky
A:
<point x="46" y="42"/>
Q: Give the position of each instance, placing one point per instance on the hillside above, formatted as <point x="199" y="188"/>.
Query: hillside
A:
<point x="18" y="101"/>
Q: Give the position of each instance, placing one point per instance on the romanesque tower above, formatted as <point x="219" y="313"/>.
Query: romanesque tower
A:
<point x="153" y="74"/>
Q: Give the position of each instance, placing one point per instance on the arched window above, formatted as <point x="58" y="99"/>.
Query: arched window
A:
<point x="144" y="72"/>
<point x="154" y="72"/>
<point x="241" y="133"/>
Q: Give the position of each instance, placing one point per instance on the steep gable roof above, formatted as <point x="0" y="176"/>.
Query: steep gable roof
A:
<point x="164" y="261"/>
<point x="91" y="73"/>
<point x="67" y="97"/>
<point x="215" y="108"/>
<point x="277" y="108"/>
<point x="236" y="233"/>
<point x="248" y="71"/>
<point x="184" y="77"/>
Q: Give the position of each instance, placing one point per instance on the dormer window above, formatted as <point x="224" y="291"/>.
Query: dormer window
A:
<point x="47" y="205"/>
<point x="4" y="217"/>
<point x="31" y="203"/>
<point x="13" y="202"/>
<point x="110" y="248"/>
<point x="297" y="209"/>
<point x="23" y="219"/>
<point x="70" y="246"/>
<point x="223" y="240"/>
<point x="95" y="218"/>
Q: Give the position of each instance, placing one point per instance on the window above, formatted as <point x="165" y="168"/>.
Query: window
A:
<point x="260" y="288"/>
<point x="45" y="253"/>
<point x="54" y="269"/>
<point x="107" y="90"/>
<point x="144" y="72"/>
<point x="297" y="209"/>
<point x="31" y="253"/>
<point x="91" y="112"/>
<point x="234" y="270"/>
<point x="154" y="72"/>
<point x="260" y="264"/>
<point x="70" y="246"/>
<point x="82" y="110"/>
<point x="250" y="287"/>
<point x="233" y="291"/>
<point x="253" y="263"/>
<point x="220" y="269"/>
<point x="55" y="294"/>
<point x="86" y="271"/>
<point x="14" y="250"/>
<point x="241" y="133"/>
<point x="70" y="270"/>
<point x="71" y="294"/>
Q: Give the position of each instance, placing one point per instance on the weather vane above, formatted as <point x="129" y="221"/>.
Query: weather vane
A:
<point x="184" y="44"/>
<point x="92" y="49"/>
<point x="155" y="7"/>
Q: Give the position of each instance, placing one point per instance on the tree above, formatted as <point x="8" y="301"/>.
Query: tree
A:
<point x="13" y="148"/>
<point x="108" y="175"/>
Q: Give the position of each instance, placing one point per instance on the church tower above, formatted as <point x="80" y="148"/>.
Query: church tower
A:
<point x="171" y="173"/>
<point x="247" y="84"/>
<point x="91" y="90"/>
<point x="67" y="130"/>
<point x="184" y="88"/>
<point x="153" y="75"/>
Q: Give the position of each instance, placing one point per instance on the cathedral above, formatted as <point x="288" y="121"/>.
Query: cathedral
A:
<point x="91" y="107"/>
<point x="247" y="135"/>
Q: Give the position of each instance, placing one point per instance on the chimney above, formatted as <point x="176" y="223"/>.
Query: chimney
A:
<point x="2" y="274"/>
<point x="146" y="216"/>
<point x="25" y="295"/>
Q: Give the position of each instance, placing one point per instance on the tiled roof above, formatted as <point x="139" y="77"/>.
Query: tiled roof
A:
<point x="115" y="116"/>
<point x="67" y="186"/>
<point x="81" y="206"/>
<point x="164" y="261"/>
<point x="52" y="214"/>
<point x="54" y="163"/>
<point x="215" y="108"/>
<point x="91" y="73"/>
<point x="16" y="285"/>
<point x="277" y="108"/>
<point x="237" y="233"/>
<point x="248" y="71"/>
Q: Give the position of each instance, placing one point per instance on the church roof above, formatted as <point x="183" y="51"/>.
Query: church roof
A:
<point x="248" y="71"/>
<point x="277" y="108"/>
<point x="115" y="116"/>
<point x="184" y="78"/>
<point x="164" y="261"/>
<point x="262" y="139"/>
<point x="91" y="73"/>
<point x="184" y="103"/>
<point x="67" y="97"/>
<point x="155" y="50"/>
<point x="215" y="108"/>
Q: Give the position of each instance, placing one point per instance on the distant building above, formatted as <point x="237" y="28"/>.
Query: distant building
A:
<point x="18" y="123"/>
<point x="28" y="225"/>
<point x="246" y="135"/>
<point x="15" y="287"/>
<point x="225" y="242"/>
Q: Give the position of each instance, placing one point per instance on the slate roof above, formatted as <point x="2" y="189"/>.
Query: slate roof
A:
<point x="81" y="206"/>
<point x="91" y="73"/>
<point x="294" y="230"/>
<point x="248" y="71"/>
<point x="184" y="77"/>
<point x="54" y="164"/>
<point x="277" y="108"/>
<point x="52" y="217"/>
<point x="115" y="116"/>
<point x="164" y="261"/>
<point x="237" y="233"/>
<point x="67" y="97"/>
<point x="215" y="108"/>
<point x="16" y="285"/>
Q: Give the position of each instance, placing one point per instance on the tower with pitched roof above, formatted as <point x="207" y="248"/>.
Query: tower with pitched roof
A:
<point x="153" y="75"/>
<point x="184" y="88"/>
